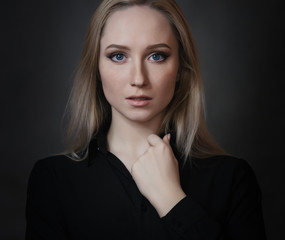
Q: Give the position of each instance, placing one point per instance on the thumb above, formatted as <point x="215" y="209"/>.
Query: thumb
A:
<point x="166" y="138"/>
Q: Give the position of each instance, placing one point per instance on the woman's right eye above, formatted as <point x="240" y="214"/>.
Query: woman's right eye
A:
<point x="117" y="57"/>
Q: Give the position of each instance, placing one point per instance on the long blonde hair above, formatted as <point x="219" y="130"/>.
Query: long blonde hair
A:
<point x="89" y="109"/>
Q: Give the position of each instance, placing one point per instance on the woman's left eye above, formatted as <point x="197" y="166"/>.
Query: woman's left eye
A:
<point x="158" y="57"/>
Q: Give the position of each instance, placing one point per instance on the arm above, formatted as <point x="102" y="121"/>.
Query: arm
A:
<point x="156" y="174"/>
<point x="188" y="220"/>
<point x="43" y="216"/>
<point x="185" y="218"/>
<point x="244" y="220"/>
<point x="245" y="212"/>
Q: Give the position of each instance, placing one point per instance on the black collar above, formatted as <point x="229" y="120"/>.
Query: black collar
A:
<point x="99" y="143"/>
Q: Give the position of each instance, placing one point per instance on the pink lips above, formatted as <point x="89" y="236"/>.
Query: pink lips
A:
<point x="138" y="101"/>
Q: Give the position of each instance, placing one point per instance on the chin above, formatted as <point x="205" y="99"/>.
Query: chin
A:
<point x="144" y="118"/>
<point x="139" y="115"/>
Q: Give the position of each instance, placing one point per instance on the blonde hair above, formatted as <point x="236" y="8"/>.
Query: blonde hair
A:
<point x="185" y="113"/>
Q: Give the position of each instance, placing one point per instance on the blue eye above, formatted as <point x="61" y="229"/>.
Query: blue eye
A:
<point x="158" y="57"/>
<point x="117" y="57"/>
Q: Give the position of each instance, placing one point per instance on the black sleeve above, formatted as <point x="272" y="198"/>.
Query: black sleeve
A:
<point x="188" y="220"/>
<point x="43" y="216"/>
<point x="245" y="219"/>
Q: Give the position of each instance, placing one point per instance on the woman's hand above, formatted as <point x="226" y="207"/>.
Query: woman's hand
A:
<point x="156" y="174"/>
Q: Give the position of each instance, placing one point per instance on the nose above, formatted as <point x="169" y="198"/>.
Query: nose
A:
<point x="139" y="75"/>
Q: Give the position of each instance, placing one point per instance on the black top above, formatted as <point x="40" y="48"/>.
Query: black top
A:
<point x="98" y="199"/>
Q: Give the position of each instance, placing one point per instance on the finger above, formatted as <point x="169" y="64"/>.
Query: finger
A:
<point x="154" y="140"/>
<point x="166" y="138"/>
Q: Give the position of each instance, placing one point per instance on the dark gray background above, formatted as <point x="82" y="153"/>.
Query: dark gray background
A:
<point x="242" y="57"/>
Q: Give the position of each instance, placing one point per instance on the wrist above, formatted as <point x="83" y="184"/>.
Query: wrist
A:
<point x="165" y="201"/>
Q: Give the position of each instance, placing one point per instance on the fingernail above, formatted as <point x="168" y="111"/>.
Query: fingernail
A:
<point x="168" y="136"/>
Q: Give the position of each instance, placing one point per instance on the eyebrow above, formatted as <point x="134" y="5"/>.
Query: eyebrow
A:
<point x="159" y="45"/>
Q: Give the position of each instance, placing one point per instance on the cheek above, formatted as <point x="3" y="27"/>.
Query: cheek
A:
<point x="169" y="90"/>
<point x="108" y="88"/>
<point x="168" y="83"/>
<point x="108" y="80"/>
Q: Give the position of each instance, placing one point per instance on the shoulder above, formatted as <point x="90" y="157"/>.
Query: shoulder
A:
<point x="220" y="177"/>
<point x="230" y="171"/>
<point x="58" y="161"/>
<point x="56" y="165"/>
<point x="230" y="166"/>
<point x="222" y="169"/>
<point x="222" y="162"/>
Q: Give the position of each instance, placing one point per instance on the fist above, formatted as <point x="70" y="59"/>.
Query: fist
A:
<point x="156" y="174"/>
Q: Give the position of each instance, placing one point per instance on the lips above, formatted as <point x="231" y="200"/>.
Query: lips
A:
<point x="138" y="101"/>
<point x="139" y="98"/>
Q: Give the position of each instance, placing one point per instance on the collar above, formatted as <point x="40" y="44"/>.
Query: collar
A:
<point x="99" y="143"/>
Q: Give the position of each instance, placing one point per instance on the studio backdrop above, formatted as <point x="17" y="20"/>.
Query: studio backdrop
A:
<point x="241" y="54"/>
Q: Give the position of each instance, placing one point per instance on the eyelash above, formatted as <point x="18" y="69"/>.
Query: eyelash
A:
<point x="112" y="55"/>
<point x="163" y="55"/>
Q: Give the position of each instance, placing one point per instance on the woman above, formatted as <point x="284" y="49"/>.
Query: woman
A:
<point x="140" y="163"/>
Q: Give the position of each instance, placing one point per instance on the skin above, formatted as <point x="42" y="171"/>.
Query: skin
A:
<point x="138" y="66"/>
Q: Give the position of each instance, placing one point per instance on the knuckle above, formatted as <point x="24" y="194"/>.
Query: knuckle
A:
<point x="164" y="148"/>
<point x="135" y="166"/>
<point x="150" y="137"/>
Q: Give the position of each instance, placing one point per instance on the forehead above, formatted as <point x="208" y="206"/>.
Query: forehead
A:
<point x="140" y="24"/>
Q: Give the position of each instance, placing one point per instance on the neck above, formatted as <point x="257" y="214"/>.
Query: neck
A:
<point x="128" y="138"/>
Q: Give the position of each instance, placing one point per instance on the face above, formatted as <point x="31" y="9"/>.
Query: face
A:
<point x="138" y="64"/>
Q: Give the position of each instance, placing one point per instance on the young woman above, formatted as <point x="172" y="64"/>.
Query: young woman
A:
<point x="140" y="163"/>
